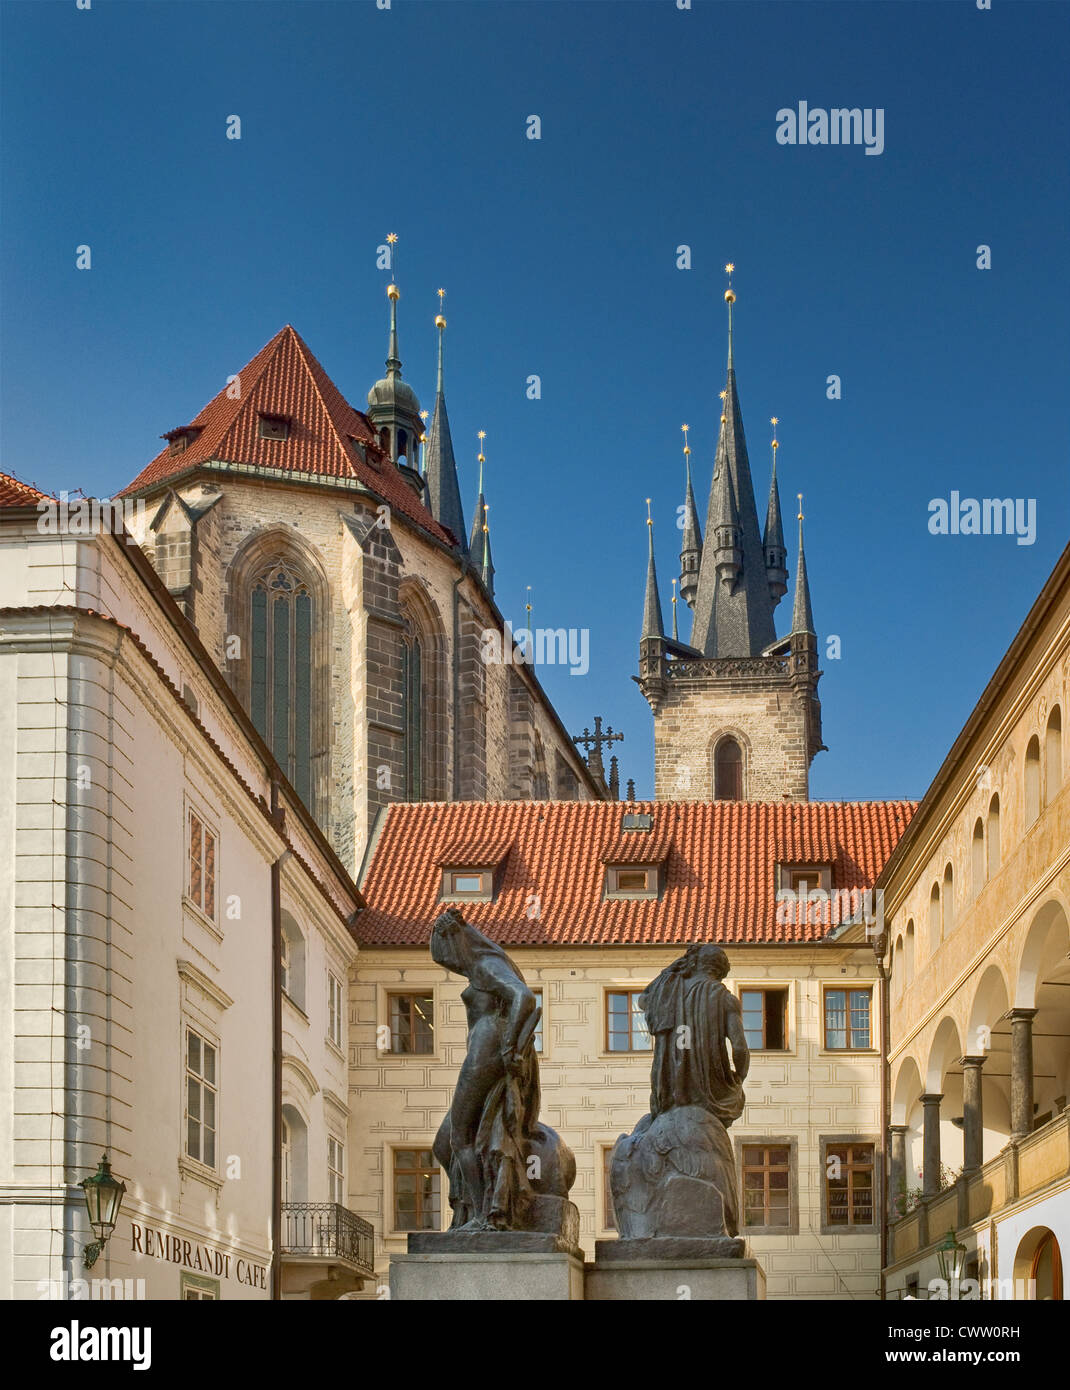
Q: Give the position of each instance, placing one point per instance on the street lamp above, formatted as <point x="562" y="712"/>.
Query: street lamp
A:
<point x="951" y="1257"/>
<point x="103" y="1198"/>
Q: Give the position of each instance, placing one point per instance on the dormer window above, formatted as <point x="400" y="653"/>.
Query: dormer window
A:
<point x="467" y="885"/>
<point x="632" y="880"/>
<point x="274" y="426"/>
<point x="803" y="894"/>
<point x="179" y="440"/>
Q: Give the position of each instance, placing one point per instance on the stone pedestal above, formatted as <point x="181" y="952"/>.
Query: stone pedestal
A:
<point x="486" y="1276"/>
<point x="640" y="1281"/>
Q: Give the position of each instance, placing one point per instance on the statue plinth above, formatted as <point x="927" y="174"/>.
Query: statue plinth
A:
<point x="681" y="1277"/>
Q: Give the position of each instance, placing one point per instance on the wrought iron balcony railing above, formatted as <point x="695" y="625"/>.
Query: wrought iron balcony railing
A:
<point x="326" y="1230"/>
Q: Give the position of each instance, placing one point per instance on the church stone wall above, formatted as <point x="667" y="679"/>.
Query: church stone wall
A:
<point x="769" y="721"/>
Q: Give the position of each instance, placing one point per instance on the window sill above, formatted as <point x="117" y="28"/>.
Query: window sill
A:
<point x="849" y="1052"/>
<point x="199" y="915"/>
<point x="295" y="1006"/>
<point x="336" y="1048"/>
<point x="200" y="1172"/>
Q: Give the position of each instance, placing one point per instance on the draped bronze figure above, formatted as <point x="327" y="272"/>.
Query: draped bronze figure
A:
<point x="674" y="1175"/>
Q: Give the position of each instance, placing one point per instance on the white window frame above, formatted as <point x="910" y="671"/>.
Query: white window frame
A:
<point x="336" y="1175"/>
<point x="335" y="1010"/>
<point x="202" y="1081"/>
<point x="207" y="827"/>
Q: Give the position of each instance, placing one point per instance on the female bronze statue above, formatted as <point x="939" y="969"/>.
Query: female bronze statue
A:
<point x="500" y="1160"/>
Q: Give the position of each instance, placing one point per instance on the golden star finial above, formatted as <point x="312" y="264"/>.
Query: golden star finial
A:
<point x="391" y="237"/>
<point x="423" y="414"/>
<point x="649" y="518"/>
<point x="687" y="447"/>
<point x="800" y="516"/>
<point x="730" y="294"/>
<point x="774" y="422"/>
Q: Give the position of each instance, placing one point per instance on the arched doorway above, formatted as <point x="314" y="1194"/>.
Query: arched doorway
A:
<point x="1039" y="1261"/>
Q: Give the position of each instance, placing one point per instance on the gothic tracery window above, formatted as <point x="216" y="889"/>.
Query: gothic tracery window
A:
<point x="412" y="713"/>
<point x="281" y="669"/>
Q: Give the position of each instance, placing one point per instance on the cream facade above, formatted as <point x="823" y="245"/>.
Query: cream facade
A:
<point x="801" y="1098"/>
<point x="978" y="895"/>
<point x="145" y="870"/>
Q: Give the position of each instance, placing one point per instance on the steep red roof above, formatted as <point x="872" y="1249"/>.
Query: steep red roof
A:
<point x="16" y="494"/>
<point x="720" y="870"/>
<point x="285" y="379"/>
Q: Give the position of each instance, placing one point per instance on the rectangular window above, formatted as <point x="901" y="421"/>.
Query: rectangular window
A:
<point x="849" y="1184"/>
<point x="625" y="1024"/>
<point x="472" y="884"/>
<point x="412" y="1023"/>
<point x="765" y="1018"/>
<point x="847" y="1019"/>
<point x="627" y="881"/>
<point x="200" y="1098"/>
<point x="334" y="1008"/>
<point x="416" y="1190"/>
<point x="609" y="1216"/>
<point x="766" y="1185"/>
<point x="274" y="427"/>
<point x="194" y="1289"/>
<point x="201" y="865"/>
<point x="335" y="1171"/>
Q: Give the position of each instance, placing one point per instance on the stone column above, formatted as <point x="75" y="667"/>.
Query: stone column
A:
<point x="1021" y="1072"/>
<point x="930" y="1177"/>
<point x="972" y="1124"/>
<point x="897" y="1175"/>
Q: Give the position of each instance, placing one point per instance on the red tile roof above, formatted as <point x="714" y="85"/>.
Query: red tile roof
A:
<point x="16" y="494"/>
<point x="285" y="379"/>
<point x="720" y="882"/>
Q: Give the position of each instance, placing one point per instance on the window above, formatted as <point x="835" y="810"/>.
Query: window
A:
<point x="538" y="1027"/>
<point x="947" y="902"/>
<point x="1053" y="756"/>
<point x="412" y="1023"/>
<point x="934" y="918"/>
<point x="280" y="691"/>
<point x="766" y="1185"/>
<point x="178" y="444"/>
<point x="416" y="1190"/>
<point x="765" y="1018"/>
<point x="895" y="968"/>
<point x="629" y="881"/>
<point x="849" y="1185"/>
<point x="334" y="1008"/>
<point x="194" y="1289"/>
<point x="1032" y="780"/>
<point x="476" y="885"/>
<point x="993" y="837"/>
<point x="201" y="866"/>
<point x="977" y="856"/>
<point x="274" y="426"/>
<point x="803" y="892"/>
<point x="335" y="1170"/>
<point x="292" y="947"/>
<point x="200" y="1098"/>
<point x="609" y="1216"/>
<point x="625" y="1024"/>
<point x="728" y="771"/>
<point x="412" y="714"/>
<point x="908" y="954"/>
<point x="847" y="1018"/>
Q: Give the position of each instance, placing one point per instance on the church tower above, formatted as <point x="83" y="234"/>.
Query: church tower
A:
<point x="393" y="407"/>
<point x="736" y="713"/>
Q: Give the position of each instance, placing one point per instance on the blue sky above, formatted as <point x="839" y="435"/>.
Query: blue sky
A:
<point x="558" y="255"/>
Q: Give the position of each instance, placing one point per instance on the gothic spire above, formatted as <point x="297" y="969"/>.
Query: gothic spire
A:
<point x="479" y="543"/>
<point x="691" y="545"/>
<point x="392" y="404"/>
<point x="802" y="618"/>
<point x="776" y="552"/>
<point x="733" y="610"/>
<point x="653" y="624"/>
<point x="440" y="467"/>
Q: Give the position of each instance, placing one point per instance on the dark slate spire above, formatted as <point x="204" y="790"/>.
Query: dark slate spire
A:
<point x="440" y="467"/>
<point x="802" y="618"/>
<point x="736" y="618"/>
<point x="776" y="552"/>
<point x="691" y="545"/>
<point x="479" y="543"/>
<point x="653" y="624"/>
<point x="392" y="404"/>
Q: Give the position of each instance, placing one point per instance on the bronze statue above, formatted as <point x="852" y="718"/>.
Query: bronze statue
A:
<point x="507" y="1172"/>
<point x="675" y="1175"/>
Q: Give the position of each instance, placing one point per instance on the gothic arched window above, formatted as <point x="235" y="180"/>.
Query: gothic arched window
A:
<point x="412" y="714"/>
<point x="728" y="771"/>
<point x="280" y="688"/>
